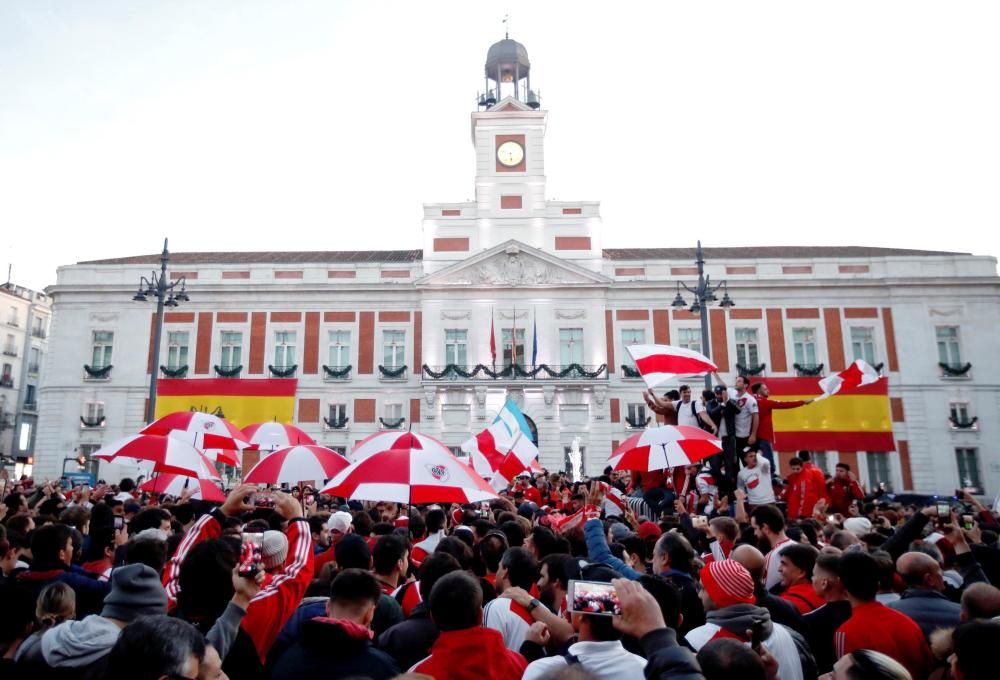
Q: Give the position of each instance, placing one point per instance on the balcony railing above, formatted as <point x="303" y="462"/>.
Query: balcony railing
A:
<point x="808" y="370"/>
<point x="630" y="372"/>
<point x="338" y="424"/>
<point x="175" y="372"/>
<point x="13" y="323"/>
<point x="391" y="423"/>
<point x="392" y="372"/>
<point x="541" y="372"/>
<point x="960" y="371"/>
<point x="227" y="371"/>
<point x="39" y="333"/>
<point x="31" y="406"/>
<point x="283" y="371"/>
<point x="97" y="372"/>
<point x="337" y="372"/>
<point x="92" y="423"/>
<point x="7" y="381"/>
<point x="33" y="369"/>
<point x="10" y="351"/>
<point x="971" y="424"/>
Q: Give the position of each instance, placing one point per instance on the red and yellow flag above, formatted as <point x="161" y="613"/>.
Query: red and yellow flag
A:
<point x="850" y="420"/>
<point x="242" y="401"/>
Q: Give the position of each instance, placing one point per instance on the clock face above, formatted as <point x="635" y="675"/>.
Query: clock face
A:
<point x="510" y="154"/>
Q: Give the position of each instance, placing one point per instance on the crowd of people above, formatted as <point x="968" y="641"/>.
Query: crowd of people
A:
<point x="717" y="572"/>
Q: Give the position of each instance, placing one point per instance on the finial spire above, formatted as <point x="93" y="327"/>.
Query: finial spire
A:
<point x="506" y="26"/>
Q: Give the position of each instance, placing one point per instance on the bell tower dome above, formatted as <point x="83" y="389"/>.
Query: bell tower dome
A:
<point x="508" y="74"/>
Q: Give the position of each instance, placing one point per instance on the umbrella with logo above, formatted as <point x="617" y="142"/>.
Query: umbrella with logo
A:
<point x="175" y="485"/>
<point x="395" y="439"/>
<point x="296" y="464"/>
<point x="411" y="476"/>
<point x="164" y="454"/>
<point x="664" y="447"/>
<point x="218" y="438"/>
<point x="271" y="436"/>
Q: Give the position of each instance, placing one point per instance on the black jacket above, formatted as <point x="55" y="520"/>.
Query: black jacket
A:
<point x="410" y="641"/>
<point x="667" y="659"/>
<point x="328" y="650"/>
<point x="930" y="609"/>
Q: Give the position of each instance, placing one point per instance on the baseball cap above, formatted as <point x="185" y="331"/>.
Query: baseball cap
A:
<point x="719" y="388"/>
<point x="649" y="530"/>
<point x="340" y="521"/>
<point x="273" y="549"/>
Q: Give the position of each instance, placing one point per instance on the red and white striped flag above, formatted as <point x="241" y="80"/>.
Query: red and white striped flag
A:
<point x="659" y="363"/>
<point x="487" y="449"/>
<point x="856" y="375"/>
<point x="518" y="459"/>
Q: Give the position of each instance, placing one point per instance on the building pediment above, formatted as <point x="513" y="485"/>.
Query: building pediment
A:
<point x="513" y="264"/>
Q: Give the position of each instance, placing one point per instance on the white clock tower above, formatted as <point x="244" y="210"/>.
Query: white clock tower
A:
<point x="508" y="133"/>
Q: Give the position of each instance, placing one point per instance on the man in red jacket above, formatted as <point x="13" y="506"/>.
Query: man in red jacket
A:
<point x="806" y="486"/>
<point x="843" y="489"/>
<point x="464" y="649"/>
<point x="765" y="425"/>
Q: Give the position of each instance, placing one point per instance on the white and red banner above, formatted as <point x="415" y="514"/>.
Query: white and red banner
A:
<point x="518" y="459"/>
<point x="659" y="363"/>
<point x="487" y="449"/>
<point x="856" y="375"/>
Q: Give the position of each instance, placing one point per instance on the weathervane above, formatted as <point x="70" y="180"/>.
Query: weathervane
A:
<point x="506" y="26"/>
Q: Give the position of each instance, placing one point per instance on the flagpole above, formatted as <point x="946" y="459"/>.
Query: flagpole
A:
<point x="493" y="341"/>
<point x="513" y="339"/>
<point x="534" y="337"/>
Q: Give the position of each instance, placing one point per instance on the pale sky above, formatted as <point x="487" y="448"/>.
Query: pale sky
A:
<point x="309" y="125"/>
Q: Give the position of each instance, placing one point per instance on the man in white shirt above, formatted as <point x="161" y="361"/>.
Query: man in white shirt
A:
<point x="746" y="421"/>
<point x="769" y="524"/>
<point x="691" y="412"/>
<point x="755" y="479"/>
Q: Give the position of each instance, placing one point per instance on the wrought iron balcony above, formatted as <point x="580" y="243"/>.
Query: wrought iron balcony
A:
<point x="338" y="424"/>
<point x="10" y="351"/>
<point x="39" y="333"/>
<point x="392" y="372"/>
<point x="630" y="372"/>
<point x="92" y="423"/>
<point x="634" y="424"/>
<point x="227" y="371"/>
<point x="392" y="424"/>
<point x="960" y="371"/>
<point x="541" y="372"/>
<point x="283" y="371"/>
<point x="972" y="424"/>
<point x="808" y="370"/>
<point x="31" y="406"/>
<point x="337" y="372"/>
<point x="7" y="381"/>
<point x="97" y="372"/>
<point x="33" y="369"/>
<point x="175" y="372"/>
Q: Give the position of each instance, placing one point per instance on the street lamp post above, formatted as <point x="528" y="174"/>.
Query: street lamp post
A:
<point x="704" y="293"/>
<point x="162" y="289"/>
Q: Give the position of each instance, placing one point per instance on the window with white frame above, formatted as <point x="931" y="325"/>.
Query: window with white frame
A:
<point x="393" y="411"/>
<point x="570" y="346"/>
<point x="455" y="342"/>
<point x="12" y="317"/>
<point x="34" y="360"/>
<point x="689" y="338"/>
<point x="947" y="344"/>
<point x="93" y="411"/>
<point x="10" y="347"/>
<point x="879" y="470"/>
<point x="103" y="342"/>
<point x="337" y="413"/>
<point x="284" y="349"/>
<point x="38" y="326"/>
<point x="232" y="349"/>
<point x="636" y="415"/>
<point x="177" y="349"/>
<point x="393" y="348"/>
<point x="340" y="349"/>
<point x="510" y="350"/>
<point x="821" y="459"/>
<point x="804" y="346"/>
<point x="747" y="347"/>
<point x="967" y="459"/>
<point x="632" y="336"/>
<point x="863" y="343"/>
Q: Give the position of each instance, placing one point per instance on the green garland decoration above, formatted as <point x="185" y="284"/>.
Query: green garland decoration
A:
<point x="178" y="372"/>
<point x="100" y="372"/>
<point x="953" y="370"/>
<point x="636" y="425"/>
<point x="337" y="372"/>
<point x="964" y="425"/>
<point x="228" y="372"/>
<point x="92" y="423"/>
<point x="513" y="371"/>
<point x="336" y="424"/>
<point x="392" y="424"/>
<point x="878" y="368"/>
<point x="746" y="370"/>
<point x="632" y="372"/>
<point x="809" y="370"/>
<point x="392" y="372"/>
<point x="283" y="372"/>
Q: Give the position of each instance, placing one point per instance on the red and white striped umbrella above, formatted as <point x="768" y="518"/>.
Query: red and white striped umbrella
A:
<point x="664" y="447"/>
<point x="411" y="476"/>
<point x="295" y="464"/>
<point x="272" y="436"/>
<point x="167" y="454"/>
<point x="175" y="485"/>
<point x="195" y="421"/>
<point x="206" y="469"/>
<point x="395" y="439"/>
<point x="222" y="448"/>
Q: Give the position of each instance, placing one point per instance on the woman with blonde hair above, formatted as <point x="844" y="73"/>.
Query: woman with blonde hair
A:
<point x="864" y="664"/>
<point x="56" y="603"/>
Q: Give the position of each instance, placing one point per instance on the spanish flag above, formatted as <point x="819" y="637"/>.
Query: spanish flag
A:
<point x="856" y="419"/>
<point x="241" y="401"/>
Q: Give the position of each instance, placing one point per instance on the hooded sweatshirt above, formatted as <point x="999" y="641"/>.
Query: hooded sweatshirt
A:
<point x="735" y="621"/>
<point x="73" y="644"/>
<point x="471" y="654"/>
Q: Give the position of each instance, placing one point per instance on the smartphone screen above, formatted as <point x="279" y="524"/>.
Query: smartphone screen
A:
<point x="967" y="522"/>
<point x="119" y="522"/>
<point x="594" y="597"/>
<point x="944" y="511"/>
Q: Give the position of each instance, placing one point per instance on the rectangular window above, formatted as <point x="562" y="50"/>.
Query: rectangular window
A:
<point x="93" y="411"/>
<point x="12" y="317"/>
<point x="338" y="413"/>
<point x="177" y="349"/>
<point x="284" y="349"/>
<point x="340" y="349"/>
<point x="103" y="342"/>
<point x="747" y="354"/>
<point x="455" y="342"/>
<point x="34" y="360"/>
<point x="9" y="347"/>
<point x="947" y="343"/>
<point x="24" y="438"/>
<point x="968" y="468"/>
<point x="509" y="350"/>
<point x="863" y="343"/>
<point x="29" y="395"/>
<point x="232" y="349"/>
<point x="392" y="412"/>
<point x="632" y="336"/>
<point x="636" y="415"/>
<point x="38" y="326"/>
<point x="879" y="471"/>
<point x="8" y="374"/>
<point x="570" y="346"/>
<point x="804" y="344"/>
<point x="689" y="338"/>
<point x="821" y="459"/>
<point x="393" y="348"/>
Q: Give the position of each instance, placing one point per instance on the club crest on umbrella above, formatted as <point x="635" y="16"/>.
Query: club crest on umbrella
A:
<point x="438" y="472"/>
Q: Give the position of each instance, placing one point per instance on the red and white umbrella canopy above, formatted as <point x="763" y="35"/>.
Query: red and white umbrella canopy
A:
<point x="175" y="485"/>
<point x="411" y="476"/>
<point x="272" y="436"/>
<point x="395" y="439"/>
<point x="195" y="421"/>
<point x="222" y="448"/>
<point x="166" y="454"/>
<point x="295" y="464"/>
<point x="664" y="447"/>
